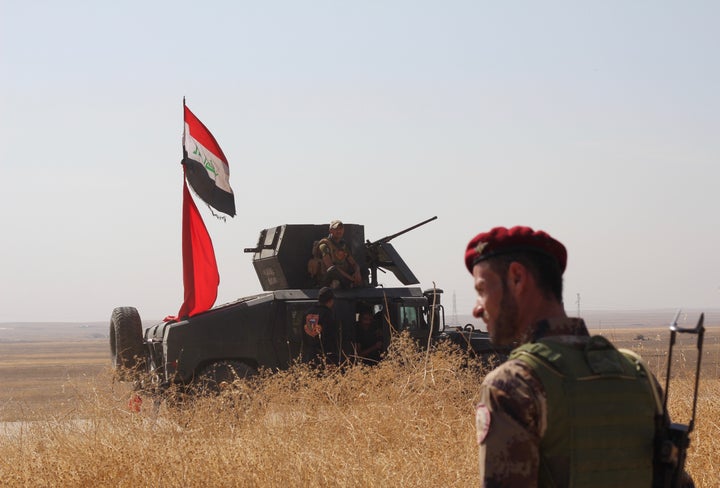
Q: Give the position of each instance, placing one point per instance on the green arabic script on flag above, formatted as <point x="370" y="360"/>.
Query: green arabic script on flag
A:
<point x="206" y="167"/>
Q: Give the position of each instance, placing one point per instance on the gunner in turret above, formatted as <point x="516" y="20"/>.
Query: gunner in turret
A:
<point x="338" y="268"/>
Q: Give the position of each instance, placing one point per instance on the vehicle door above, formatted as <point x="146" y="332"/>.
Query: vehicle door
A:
<point x="290" y="343"/>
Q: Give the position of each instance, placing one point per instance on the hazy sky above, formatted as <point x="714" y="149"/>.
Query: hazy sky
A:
<point x="598" y="122"/>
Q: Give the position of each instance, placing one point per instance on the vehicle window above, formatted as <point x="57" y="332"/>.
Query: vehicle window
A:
<point x="436" y="319"/>
<point x="410" y="318"/>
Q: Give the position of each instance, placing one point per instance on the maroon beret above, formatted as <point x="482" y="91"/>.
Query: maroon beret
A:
<point x="501" y="240"/>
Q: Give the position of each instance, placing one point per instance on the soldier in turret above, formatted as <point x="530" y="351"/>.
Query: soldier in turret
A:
<point x="333" y="265"/>
<point x="566" y="409"/>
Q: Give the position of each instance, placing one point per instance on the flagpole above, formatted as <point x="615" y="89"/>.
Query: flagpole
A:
<point x="184" y="153"/>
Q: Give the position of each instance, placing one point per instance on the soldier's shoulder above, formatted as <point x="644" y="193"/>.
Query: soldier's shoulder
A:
<point x="513" y="388"/>
<point x="324" y="244"/>
<point x="514" y="378"/>
<point x="511" y="372"/>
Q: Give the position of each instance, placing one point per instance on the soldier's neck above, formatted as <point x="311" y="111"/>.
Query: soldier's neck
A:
<point x="541" y="309"/>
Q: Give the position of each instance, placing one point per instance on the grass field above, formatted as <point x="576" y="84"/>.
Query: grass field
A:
<point x="42" y="379"/>
<point x="407" y="422"/>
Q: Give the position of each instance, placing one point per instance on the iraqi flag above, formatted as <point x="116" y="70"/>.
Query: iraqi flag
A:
<point x="206" y="167"/>
<point x="206" y="170"/>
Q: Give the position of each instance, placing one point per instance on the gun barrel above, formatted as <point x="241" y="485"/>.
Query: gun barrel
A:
<point x="397" y="234"/>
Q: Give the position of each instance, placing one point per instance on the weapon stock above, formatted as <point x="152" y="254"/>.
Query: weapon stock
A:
<point x="675" y="440"/>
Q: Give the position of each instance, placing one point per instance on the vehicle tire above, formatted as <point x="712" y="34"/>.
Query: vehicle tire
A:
<point x="127" y="350"/>
<point x="219" y="375"/>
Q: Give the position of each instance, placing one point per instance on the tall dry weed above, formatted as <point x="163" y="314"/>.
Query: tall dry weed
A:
<point x="405" y="422"/>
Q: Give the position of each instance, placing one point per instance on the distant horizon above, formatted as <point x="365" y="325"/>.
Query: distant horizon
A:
<point x="602" y="322"/>
<point x="661" y="316"/>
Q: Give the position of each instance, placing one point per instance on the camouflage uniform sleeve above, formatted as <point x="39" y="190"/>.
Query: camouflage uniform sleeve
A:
<point x="511" y="420"/>
<point x="324" y="248"/>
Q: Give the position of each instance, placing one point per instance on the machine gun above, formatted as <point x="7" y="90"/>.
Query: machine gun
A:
<point x="673" y="443"/>
<point x="381" y="254"/>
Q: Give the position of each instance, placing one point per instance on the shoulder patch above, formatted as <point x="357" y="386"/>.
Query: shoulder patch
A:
<point x="482" y="422"/>
<point x="312" y="325"/>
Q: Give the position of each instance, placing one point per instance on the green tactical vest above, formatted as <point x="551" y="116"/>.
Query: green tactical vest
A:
<point x="334" y="247"/>
<point x="600" y="414"/>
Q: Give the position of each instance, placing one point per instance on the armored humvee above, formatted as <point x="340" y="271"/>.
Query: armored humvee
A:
<point x="266" y="329"/>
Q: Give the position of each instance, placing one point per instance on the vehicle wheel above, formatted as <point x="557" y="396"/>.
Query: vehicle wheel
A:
<point x="221" y="374"/>
<point x="127" y="350"/>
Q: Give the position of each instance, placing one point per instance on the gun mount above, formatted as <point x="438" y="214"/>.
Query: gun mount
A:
<point x="281" y="255"/>
<point x="382" y="255"/>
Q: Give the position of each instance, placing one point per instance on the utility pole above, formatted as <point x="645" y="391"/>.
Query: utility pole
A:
<point x="455" y="317"/>
<point x="578" y="305"/>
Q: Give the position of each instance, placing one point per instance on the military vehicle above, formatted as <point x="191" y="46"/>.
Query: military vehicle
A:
<point x="266" y="329"/>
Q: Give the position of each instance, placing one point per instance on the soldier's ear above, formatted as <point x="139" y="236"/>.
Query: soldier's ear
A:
<point x="517" y="277"/>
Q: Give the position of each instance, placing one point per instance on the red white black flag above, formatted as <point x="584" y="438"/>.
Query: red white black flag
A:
<point x="206" y="167"/>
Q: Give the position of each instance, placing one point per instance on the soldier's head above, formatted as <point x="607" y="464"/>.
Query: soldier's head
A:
<point x="518" y="275"/>
<point x="337" y="230"/>
<point x="365" y="319"/>
<point x="326" y="296"/>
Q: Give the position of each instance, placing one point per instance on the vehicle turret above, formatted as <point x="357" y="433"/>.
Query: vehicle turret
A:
<point x="282" y="253"/>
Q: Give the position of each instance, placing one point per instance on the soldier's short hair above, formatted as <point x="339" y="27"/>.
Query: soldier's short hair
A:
<point x="326" y="294"/>
<point x="543" y="268"/>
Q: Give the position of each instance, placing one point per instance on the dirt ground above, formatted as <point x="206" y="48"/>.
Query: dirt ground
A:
<point x="45" y="379"/>
<point x="653" y="345"/>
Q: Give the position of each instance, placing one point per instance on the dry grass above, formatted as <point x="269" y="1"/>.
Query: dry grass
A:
<point x="406" y="422"/>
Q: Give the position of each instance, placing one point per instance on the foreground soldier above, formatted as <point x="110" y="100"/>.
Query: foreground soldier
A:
<point x="566" y="409"/>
